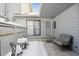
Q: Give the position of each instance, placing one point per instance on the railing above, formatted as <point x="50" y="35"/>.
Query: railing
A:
<point x="4" y="17"/>
<point x="7" y="34"/>
<point x="6" y="25"/>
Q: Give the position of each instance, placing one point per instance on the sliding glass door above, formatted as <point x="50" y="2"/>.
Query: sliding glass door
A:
<point x="34" y="28"/>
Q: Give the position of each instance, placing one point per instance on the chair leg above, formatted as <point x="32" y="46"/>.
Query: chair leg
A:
<point x="24" y="45"/>
<point x="19" y="54"/>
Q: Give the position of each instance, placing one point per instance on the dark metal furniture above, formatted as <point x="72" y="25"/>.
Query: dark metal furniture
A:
<point x="63" y="40"/>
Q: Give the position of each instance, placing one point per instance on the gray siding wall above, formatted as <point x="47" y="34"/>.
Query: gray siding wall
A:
<point x="68" y="23"/>
<point x="21" y="21"/>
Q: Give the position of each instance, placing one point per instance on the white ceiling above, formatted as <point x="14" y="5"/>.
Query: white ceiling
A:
<point x="51" y="10"/>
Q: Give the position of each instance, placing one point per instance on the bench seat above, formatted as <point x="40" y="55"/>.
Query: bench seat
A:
<point x="63" y="40"/>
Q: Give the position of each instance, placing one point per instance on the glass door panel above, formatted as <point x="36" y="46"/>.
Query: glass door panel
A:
<point x="29" y="27"/>
<point x="34" y="28"/>
<point x="37" y="28"/>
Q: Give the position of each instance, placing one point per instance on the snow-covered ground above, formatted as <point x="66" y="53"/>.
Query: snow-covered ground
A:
<point x="35" y="48"/>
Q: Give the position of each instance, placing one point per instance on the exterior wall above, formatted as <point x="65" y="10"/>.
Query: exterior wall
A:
<point x="26" y="8"/>
<point x="21" y="21"/>
<point x="68" y="23"/>
<point x="17" y="8"/>
<point x="2" y="8"/>
<point x="12" y="8"/>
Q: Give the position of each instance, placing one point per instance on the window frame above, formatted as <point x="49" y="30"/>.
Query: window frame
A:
<point x="54" y="24"/>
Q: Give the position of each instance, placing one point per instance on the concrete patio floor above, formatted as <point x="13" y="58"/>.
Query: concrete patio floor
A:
<point x="54" y="50"/>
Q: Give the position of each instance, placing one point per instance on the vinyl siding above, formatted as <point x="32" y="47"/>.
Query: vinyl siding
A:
<point x="68" y="23"/>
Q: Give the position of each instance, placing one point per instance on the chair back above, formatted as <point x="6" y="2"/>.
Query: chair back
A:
<point x="65" y="37"/>
<point x="13" y="49"/>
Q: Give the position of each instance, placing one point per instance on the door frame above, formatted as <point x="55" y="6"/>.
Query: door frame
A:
<point x="33" y="25"/>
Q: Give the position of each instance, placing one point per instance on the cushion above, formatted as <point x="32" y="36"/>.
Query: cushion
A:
<point x="22" y="40"/>
<point x="18" y="49"/>
<point x="64" y="37"/>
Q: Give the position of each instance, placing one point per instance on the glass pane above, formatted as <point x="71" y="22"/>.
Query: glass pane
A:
<point x="36" y="27"/>
<point x="33" y="28"/>
<point x="29" y="27"/>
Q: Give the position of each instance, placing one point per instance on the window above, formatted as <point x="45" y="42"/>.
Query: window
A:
<point x="29" y="27"/>
<point x="54" y="24"/>
<point x="34" y="28"/>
